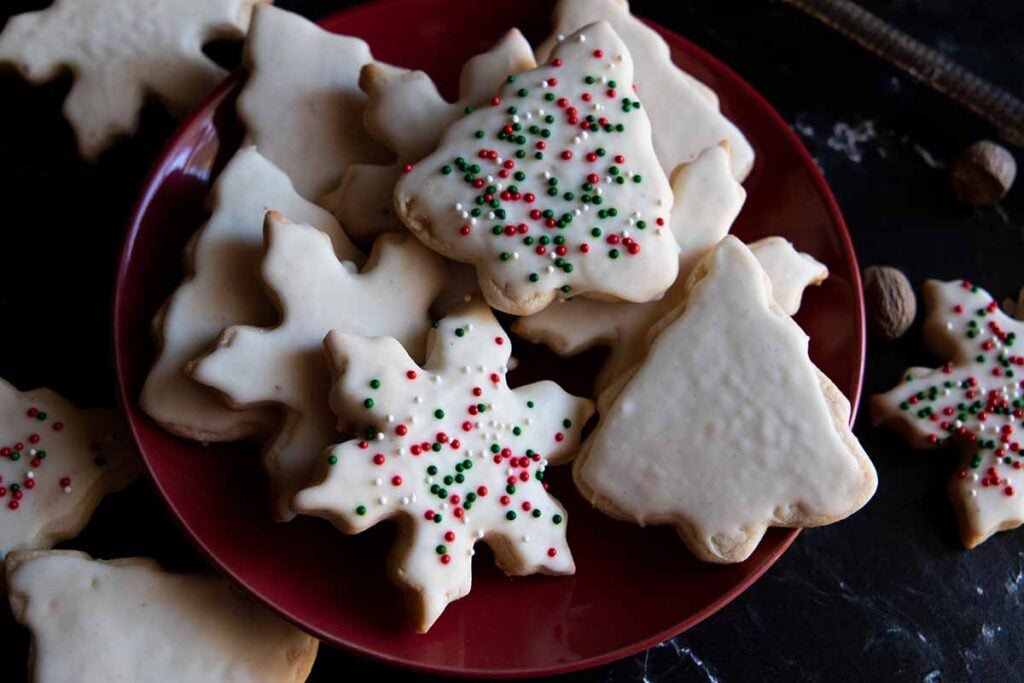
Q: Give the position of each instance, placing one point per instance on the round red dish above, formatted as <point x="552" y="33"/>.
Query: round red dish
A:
<point x="634" y="587"/>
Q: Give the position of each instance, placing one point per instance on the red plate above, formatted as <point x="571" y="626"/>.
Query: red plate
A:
<point x="634" y="587"/>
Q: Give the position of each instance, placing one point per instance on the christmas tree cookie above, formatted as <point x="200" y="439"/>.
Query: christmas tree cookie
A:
<point x="284" y="365"/>
<point x="221" y="289"/>
<point x="707" y="200"/>
<point x="56" y="464"/>
<point x="974" y="402"/>
<point x="301" y="104"/>
<point x="128" y="620"/>
<point x="407" y="114"/>
<point x="451" y="453"/>
<point x="553" y="188"/>
<point x="727" y="428"/>
<point x="120" y="51"/>
<point x="684" y="112"/>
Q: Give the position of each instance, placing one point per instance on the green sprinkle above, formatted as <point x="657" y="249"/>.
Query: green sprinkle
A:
<point x="361" y="510"/>
<point x="375" y="383"/>
<point x="368" y="403"/>
<point x="332" y="460"/>
<point x="510" y="515"/>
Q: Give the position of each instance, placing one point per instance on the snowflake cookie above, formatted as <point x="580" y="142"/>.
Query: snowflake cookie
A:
<point x="452" y="453"/>
<point x="553" y="188"/>
<point x="119" y="51"/>
<point x="284" y="365"/>
<point x="223" y="288"/>
<point x="975" y="402"/>
<point x="727" y="427"/>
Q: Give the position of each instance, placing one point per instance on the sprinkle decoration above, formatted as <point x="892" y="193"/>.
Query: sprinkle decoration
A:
<point x="471" y="459"/>
<point x="28" y="455"/>
<point x="553" y="177"/>
<point x="975" y="401"/>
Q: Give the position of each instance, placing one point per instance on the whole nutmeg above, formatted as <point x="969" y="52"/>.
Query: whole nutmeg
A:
<point x="890" y="301"/>
<point x="983" y="173"/>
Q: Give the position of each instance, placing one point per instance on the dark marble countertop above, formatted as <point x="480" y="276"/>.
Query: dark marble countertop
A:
<point x="887" y="594"/>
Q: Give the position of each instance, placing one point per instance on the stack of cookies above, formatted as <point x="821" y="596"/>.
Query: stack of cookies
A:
<point x="340" y="308"/>
<point x="340" y="305"/>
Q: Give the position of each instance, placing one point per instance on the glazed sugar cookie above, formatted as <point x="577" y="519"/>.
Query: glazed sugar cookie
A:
<point x="451" y="453"/>
<point x="406" y="113"/>
<point x="120" y="51"/>
<point x="727" y="427"/>
<point x="790" y="271"/>
<point x="974" y="401"/>
<point x="223" y="288"/>
<point x="284" y="365"/>
<point x="56" y="464"/>
<point x="554" y="188"/>
<point x="707" y="200"/>
<point x="684" y="112"/>
<point x="128" y="620"/>
<point x="301" y="104"/>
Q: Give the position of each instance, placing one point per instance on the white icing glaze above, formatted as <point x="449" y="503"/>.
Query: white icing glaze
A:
<point x="790" y="271"/>
<point x="127" y="620"/>
<point x="670" y="94"/>
<point x="727" y="427"/>
<point x="965" y="325"/>
<point x="120" y="51"/>
<point x="55" y="441"/>
<point x="301" y="104"/>
<point x="707" y="200"/>
<point x="448" y="414"/>
<point x="224" y="289"/>
<point x="407" y="114"/>
<point x="519" y="270"/>
<point x="316" y="293"/>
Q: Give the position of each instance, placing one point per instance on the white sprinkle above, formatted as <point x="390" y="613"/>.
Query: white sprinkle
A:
<point x="465" y="214"/>
<point x="444" y="506"/>
<point x="391" y="418"/>
<point x="657" y="232"/>
<point x="515" y="255"/>
<point x="413" y="419"/>
<point x="437" y="379"/>
<point x="458" y="206"/>
<point x="481" y="368"/>
<point x="401" y="451"/>
<point x="32" y="451"/>
<point x="660" y="202"/>
<point x="631" y="222"/>
<point x="974" y="492"/>
<point x="469" y="327"/>
<point x="30" y="474"/>
<point x="378" y="482"/>
<point x="636" y="214"/>
<point x="383" y="500"/>
<point x="380" y="436"/>
<point x="429" y="480"/>
<point x="466" y="369"/>
<point x="550" y="269"/>
<point x="469" y="552"/>
<point x="405" y="500"/>
<point x="576" y="212"/>
<point x="490" y="179"/>
<point x="529" y="116"/>
<point x="67" y="489"/>
<point x="625" y="233"/>
<point x="490" y="215"/>
<point x="472" y="221"/>
<point x="547" y="175"/>
<point x="515" y="119"/>
<point x="561" y="37"/>
<point x="414" y="497"/>
<point x="479" y="533"/>
<point x="528" y="421"/>
<point x="582" y="38"/>
<point x="525" y="538"/>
